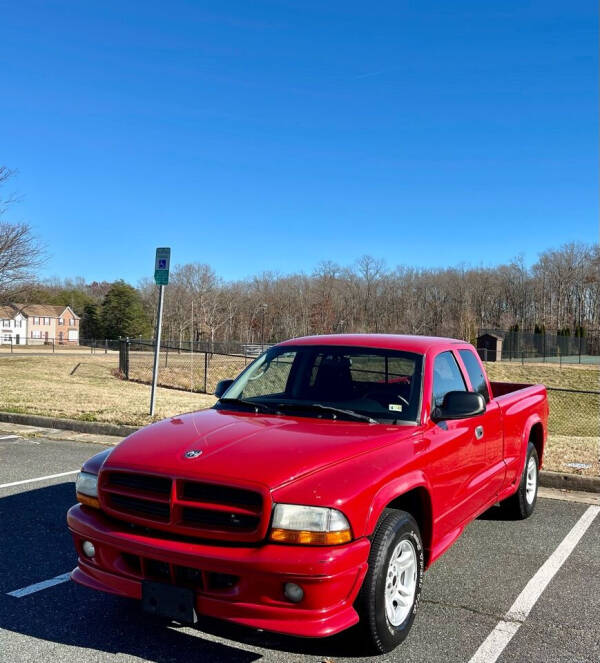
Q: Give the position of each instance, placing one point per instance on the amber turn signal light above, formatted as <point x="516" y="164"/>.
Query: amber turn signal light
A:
<point x="88" y="501"/>
<point x="311" y="538"/>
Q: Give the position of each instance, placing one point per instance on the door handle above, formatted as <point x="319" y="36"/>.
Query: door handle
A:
<point x="479" y="432"/>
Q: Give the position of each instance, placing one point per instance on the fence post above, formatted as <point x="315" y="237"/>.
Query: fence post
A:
<point x="522" y="357"/>
<point x="485" y="355"/>
<point x="53" y="345"/>
<point x="544" y="345"/>
<point x="124" y="357"/>
<point x="105" y="346"/>
<point x="205" y="370"/>
<point x="167" y="356"/>
<point x="11" y="344"/>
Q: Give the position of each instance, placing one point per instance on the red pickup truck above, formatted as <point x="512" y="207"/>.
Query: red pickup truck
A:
<point x="314" y="494"/>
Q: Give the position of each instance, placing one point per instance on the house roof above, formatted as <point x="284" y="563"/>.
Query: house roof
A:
<point x="43" y="310"/>
<point x="7" y="312"/>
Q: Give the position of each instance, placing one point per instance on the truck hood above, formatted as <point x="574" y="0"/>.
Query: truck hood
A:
<point x="271" y="450"/>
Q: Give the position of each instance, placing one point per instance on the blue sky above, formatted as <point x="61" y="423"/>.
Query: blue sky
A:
<point x="272" y="135"/>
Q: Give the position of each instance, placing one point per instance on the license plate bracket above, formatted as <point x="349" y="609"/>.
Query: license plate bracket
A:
<point x="169" y="601"/>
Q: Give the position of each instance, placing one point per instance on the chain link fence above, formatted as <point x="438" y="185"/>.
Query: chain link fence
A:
<point x="59" y="345"/>
<point x="574" y="412"/>
<point x="187" y="368"/>
<point x="573" y="431"/>
<point x="520" y="346"/>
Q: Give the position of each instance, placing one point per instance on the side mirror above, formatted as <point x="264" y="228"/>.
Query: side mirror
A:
<point x="459" y="405"/>
<point x="222" y="387"/>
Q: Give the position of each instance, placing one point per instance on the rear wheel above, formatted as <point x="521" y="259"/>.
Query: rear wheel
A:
<point x="389" y="597"/>
<point x="521" y="505"/>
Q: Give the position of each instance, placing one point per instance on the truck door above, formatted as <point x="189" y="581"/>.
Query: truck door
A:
<point x="455" y="456"/>
<point x="489" y="428"/>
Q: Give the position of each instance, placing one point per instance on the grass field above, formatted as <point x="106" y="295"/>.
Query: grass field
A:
<point x="567" y="377"/>
<point x="47" y="385"/>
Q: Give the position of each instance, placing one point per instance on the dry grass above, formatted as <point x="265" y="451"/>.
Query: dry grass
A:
<point x="567" y="377"/>
<point x="45" y="386"/>
<point x="563" y="449"/>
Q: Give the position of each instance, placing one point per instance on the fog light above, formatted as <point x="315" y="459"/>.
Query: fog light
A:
<point x="293" y="592"/>
<point x="88" y="549"/>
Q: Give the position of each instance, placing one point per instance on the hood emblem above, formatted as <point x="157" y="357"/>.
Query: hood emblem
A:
<point x="192" y="453"/>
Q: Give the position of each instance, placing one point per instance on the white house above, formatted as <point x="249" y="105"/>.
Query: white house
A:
<point x="13" y="326"/>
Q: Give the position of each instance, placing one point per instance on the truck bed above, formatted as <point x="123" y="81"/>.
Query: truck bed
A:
<point x="504" y="388"/>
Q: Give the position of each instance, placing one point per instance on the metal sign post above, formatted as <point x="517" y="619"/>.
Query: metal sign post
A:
<point x="161" y="278"/>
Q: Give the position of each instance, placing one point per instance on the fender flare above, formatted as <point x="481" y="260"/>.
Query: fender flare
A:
<point x="392" y="490"/>
<point x="530" y="422"/>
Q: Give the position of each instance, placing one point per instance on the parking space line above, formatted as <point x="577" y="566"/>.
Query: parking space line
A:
<point x="495" y="643"/>
<point x="38" y="586"/>
<point x="49" y="476"/>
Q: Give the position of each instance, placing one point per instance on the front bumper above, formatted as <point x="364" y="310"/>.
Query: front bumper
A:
<point x="330" y="576"/>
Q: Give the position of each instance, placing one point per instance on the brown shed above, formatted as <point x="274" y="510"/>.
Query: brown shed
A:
<point x="489" y="347"/>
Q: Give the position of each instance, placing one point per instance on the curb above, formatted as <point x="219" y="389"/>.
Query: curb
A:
<point x="94" y="427"/>
<point x="564" y="481"/>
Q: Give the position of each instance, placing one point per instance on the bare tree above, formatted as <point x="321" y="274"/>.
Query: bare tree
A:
<point x="20" y="251"/>
<point x="560" y="291"/>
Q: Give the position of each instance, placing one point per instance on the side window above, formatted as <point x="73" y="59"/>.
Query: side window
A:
<point x="446" y="377"/>
<point x="475" y="373"/>
<point x="272" y="378"/>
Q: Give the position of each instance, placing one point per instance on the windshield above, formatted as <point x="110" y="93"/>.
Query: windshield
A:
<point x="332" y="382"/>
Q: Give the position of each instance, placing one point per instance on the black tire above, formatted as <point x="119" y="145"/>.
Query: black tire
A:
<point x="518" y="506"/>
<point x="393" y="528"/>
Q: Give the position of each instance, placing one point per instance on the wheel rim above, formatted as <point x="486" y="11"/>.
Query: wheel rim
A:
<point x="401" y="583"/>
<point x="531" y="481"/>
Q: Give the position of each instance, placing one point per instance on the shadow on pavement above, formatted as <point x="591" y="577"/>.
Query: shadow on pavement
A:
<point x="496" y="513"/>
<point x="36" y="546"/>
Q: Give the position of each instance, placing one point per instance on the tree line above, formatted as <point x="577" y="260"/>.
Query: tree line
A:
<point x="559" y="293"/>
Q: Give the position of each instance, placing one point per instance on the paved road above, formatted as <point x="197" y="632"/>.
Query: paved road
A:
<point x="466" y="593"/>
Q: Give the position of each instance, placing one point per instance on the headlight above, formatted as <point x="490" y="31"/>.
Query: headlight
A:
<point x="86" y="488"/>
<point x="311" y="525"/>
<point x="87" y="484"/>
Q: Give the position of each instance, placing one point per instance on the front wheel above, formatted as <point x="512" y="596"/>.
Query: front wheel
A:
<point x="390" y="593"/>
<point x="521" y="505"/>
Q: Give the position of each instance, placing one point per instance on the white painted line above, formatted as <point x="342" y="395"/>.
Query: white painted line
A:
<point x="9" y="437"/>
<point x="50" y="476"/>
<point x="494" y="644"/>
<point x="31" y="589"/>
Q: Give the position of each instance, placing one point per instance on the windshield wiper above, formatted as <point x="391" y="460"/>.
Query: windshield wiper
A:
<point x="263" y="407"/>
<point x="328" y="408"/>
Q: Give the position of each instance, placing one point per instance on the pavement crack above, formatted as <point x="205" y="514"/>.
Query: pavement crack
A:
<point x="476" y="611"/>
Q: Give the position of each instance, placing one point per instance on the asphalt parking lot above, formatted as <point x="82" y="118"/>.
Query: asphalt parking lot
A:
<point x="467" y="593"/>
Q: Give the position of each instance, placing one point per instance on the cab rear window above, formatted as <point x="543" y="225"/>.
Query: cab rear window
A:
<point x="475" y="373"/>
